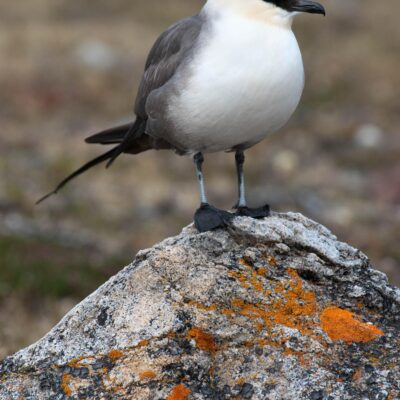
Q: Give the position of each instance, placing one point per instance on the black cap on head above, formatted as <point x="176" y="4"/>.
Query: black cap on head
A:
<point x="307" y="6"/>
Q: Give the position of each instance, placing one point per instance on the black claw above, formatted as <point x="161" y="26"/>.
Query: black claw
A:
<point x="208" y="218"/>
<point x="260" y="212"/>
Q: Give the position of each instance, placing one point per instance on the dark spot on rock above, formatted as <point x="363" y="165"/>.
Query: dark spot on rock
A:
<point x="381" y="395"/>
<point x="82" y="372"/>
<point x="45" y="385"/>
<point x="175" y="349"/>
<point x="247" y="391"/>
<point x="369" y="369"/>
<point x="102" y="363"/>
<point x="208" y="391"/>
<point x="186" y="346"/>
<point x="87" y="393"/>
<point x="59" y="396"/>
<point x="269" y="388"/>
<point x="249" y="261"/>
<point x="226" y="389"/>
<point x="236" y="389"/>
<point x="183" y="321"/>
<point x="176" y="371"/>
<point x="102" y="317"/>
<point x="309" y="275"/>
<point x="259" y="351"/>
<point x="66" y="369"/>
<point x="317" y="395"/>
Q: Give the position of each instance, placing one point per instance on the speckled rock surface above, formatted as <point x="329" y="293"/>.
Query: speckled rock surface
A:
<point x="269" y="309"/>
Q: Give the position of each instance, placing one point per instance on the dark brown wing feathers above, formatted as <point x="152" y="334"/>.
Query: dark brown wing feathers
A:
<point x="165" y="57"/>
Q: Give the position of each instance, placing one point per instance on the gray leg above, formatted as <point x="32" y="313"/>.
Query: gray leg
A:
<point x="241" y="206"/>
<point x="207" y="217"/>
<point x="239" y="157"/>
<point x="198" y="161"/>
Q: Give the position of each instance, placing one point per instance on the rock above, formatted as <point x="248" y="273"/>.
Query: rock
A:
<point x="96" y="54"/>
<point x="369" y="137"/>
<point x="267" y="309"/>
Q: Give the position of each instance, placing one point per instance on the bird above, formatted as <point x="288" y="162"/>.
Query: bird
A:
<point x="221" y="80"/>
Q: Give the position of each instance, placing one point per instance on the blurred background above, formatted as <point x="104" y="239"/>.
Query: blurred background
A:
<point x="70" y="68"/>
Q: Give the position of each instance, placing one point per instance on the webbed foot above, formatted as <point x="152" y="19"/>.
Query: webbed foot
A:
<point x="208" y="218"/>
<point x="260" y="212"/>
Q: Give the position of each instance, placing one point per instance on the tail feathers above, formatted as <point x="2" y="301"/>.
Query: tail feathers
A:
<point x="136" y="130"/>
<point x="127" y="137"/>
<point x="110" y="136"/>
<point x="104" y="157"/>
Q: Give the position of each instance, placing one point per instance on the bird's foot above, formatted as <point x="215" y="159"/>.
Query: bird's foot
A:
<point x="260" y="212"/>
<point x="208" y="218"/>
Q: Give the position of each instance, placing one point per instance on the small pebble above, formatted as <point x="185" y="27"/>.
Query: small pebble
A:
<point x="247" y="391"/>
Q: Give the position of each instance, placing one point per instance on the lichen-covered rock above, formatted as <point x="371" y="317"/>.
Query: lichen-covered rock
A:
<point x="267" y="309"/>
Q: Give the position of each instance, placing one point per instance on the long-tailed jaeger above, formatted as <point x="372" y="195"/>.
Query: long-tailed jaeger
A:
<point x="221" y="80"/>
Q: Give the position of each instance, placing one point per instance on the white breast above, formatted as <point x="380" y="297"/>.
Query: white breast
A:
<point x="246" y="82"/>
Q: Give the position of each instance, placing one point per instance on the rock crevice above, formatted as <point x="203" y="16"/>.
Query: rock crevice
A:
<point x="267" y="309"/>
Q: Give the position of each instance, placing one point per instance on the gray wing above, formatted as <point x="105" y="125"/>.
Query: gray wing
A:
<point x="167" y="54"/>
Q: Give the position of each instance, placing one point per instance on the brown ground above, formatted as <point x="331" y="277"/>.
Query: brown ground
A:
<point x="71" y="68"/>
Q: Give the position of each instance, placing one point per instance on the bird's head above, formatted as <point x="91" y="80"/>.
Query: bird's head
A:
<point x="277" y="12"/>
<point x="296" y="6"/>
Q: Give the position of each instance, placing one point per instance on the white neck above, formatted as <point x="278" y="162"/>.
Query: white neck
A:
<point x="257" y="10"/>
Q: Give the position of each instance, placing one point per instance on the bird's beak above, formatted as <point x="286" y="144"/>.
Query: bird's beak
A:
<point x="309" y="6"/>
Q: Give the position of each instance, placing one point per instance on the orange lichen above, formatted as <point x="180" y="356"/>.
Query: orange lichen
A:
<point x="201" y="306"/>
<point x="297" y="304"/>
<point x="246" y="261"/>
<point x="343" y="325"/>
<point x="298" y="354"/>
<point x="179" y="392"/>
<point x="204" y="340"/>
<point x="115" y="354"/>
<point x="238" y="276"/>
<point x="77" y="362"/>
<point x="286" y="303"/>
<point x="118" y="389"/>
<point x="358" y="374"/>
<point x="293" y="309"/>
<point x="259" y="326"/>
<point x="240" y="381"/>
<point x="228" y="312"/>
<point x="65" y="381"/>
<point x="144" y="375"/>
<point x="272" y="261"/>
<point x="262" y="271"/>
<point x="254" y="280"/>
<point x="143" y="343"/>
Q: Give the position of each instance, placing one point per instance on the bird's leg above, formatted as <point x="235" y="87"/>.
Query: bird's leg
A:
<point x="239" y="158"/>
<point x="207" y="217"/>
<point x="198" y="162"/>
<point x="241" y="206"/>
